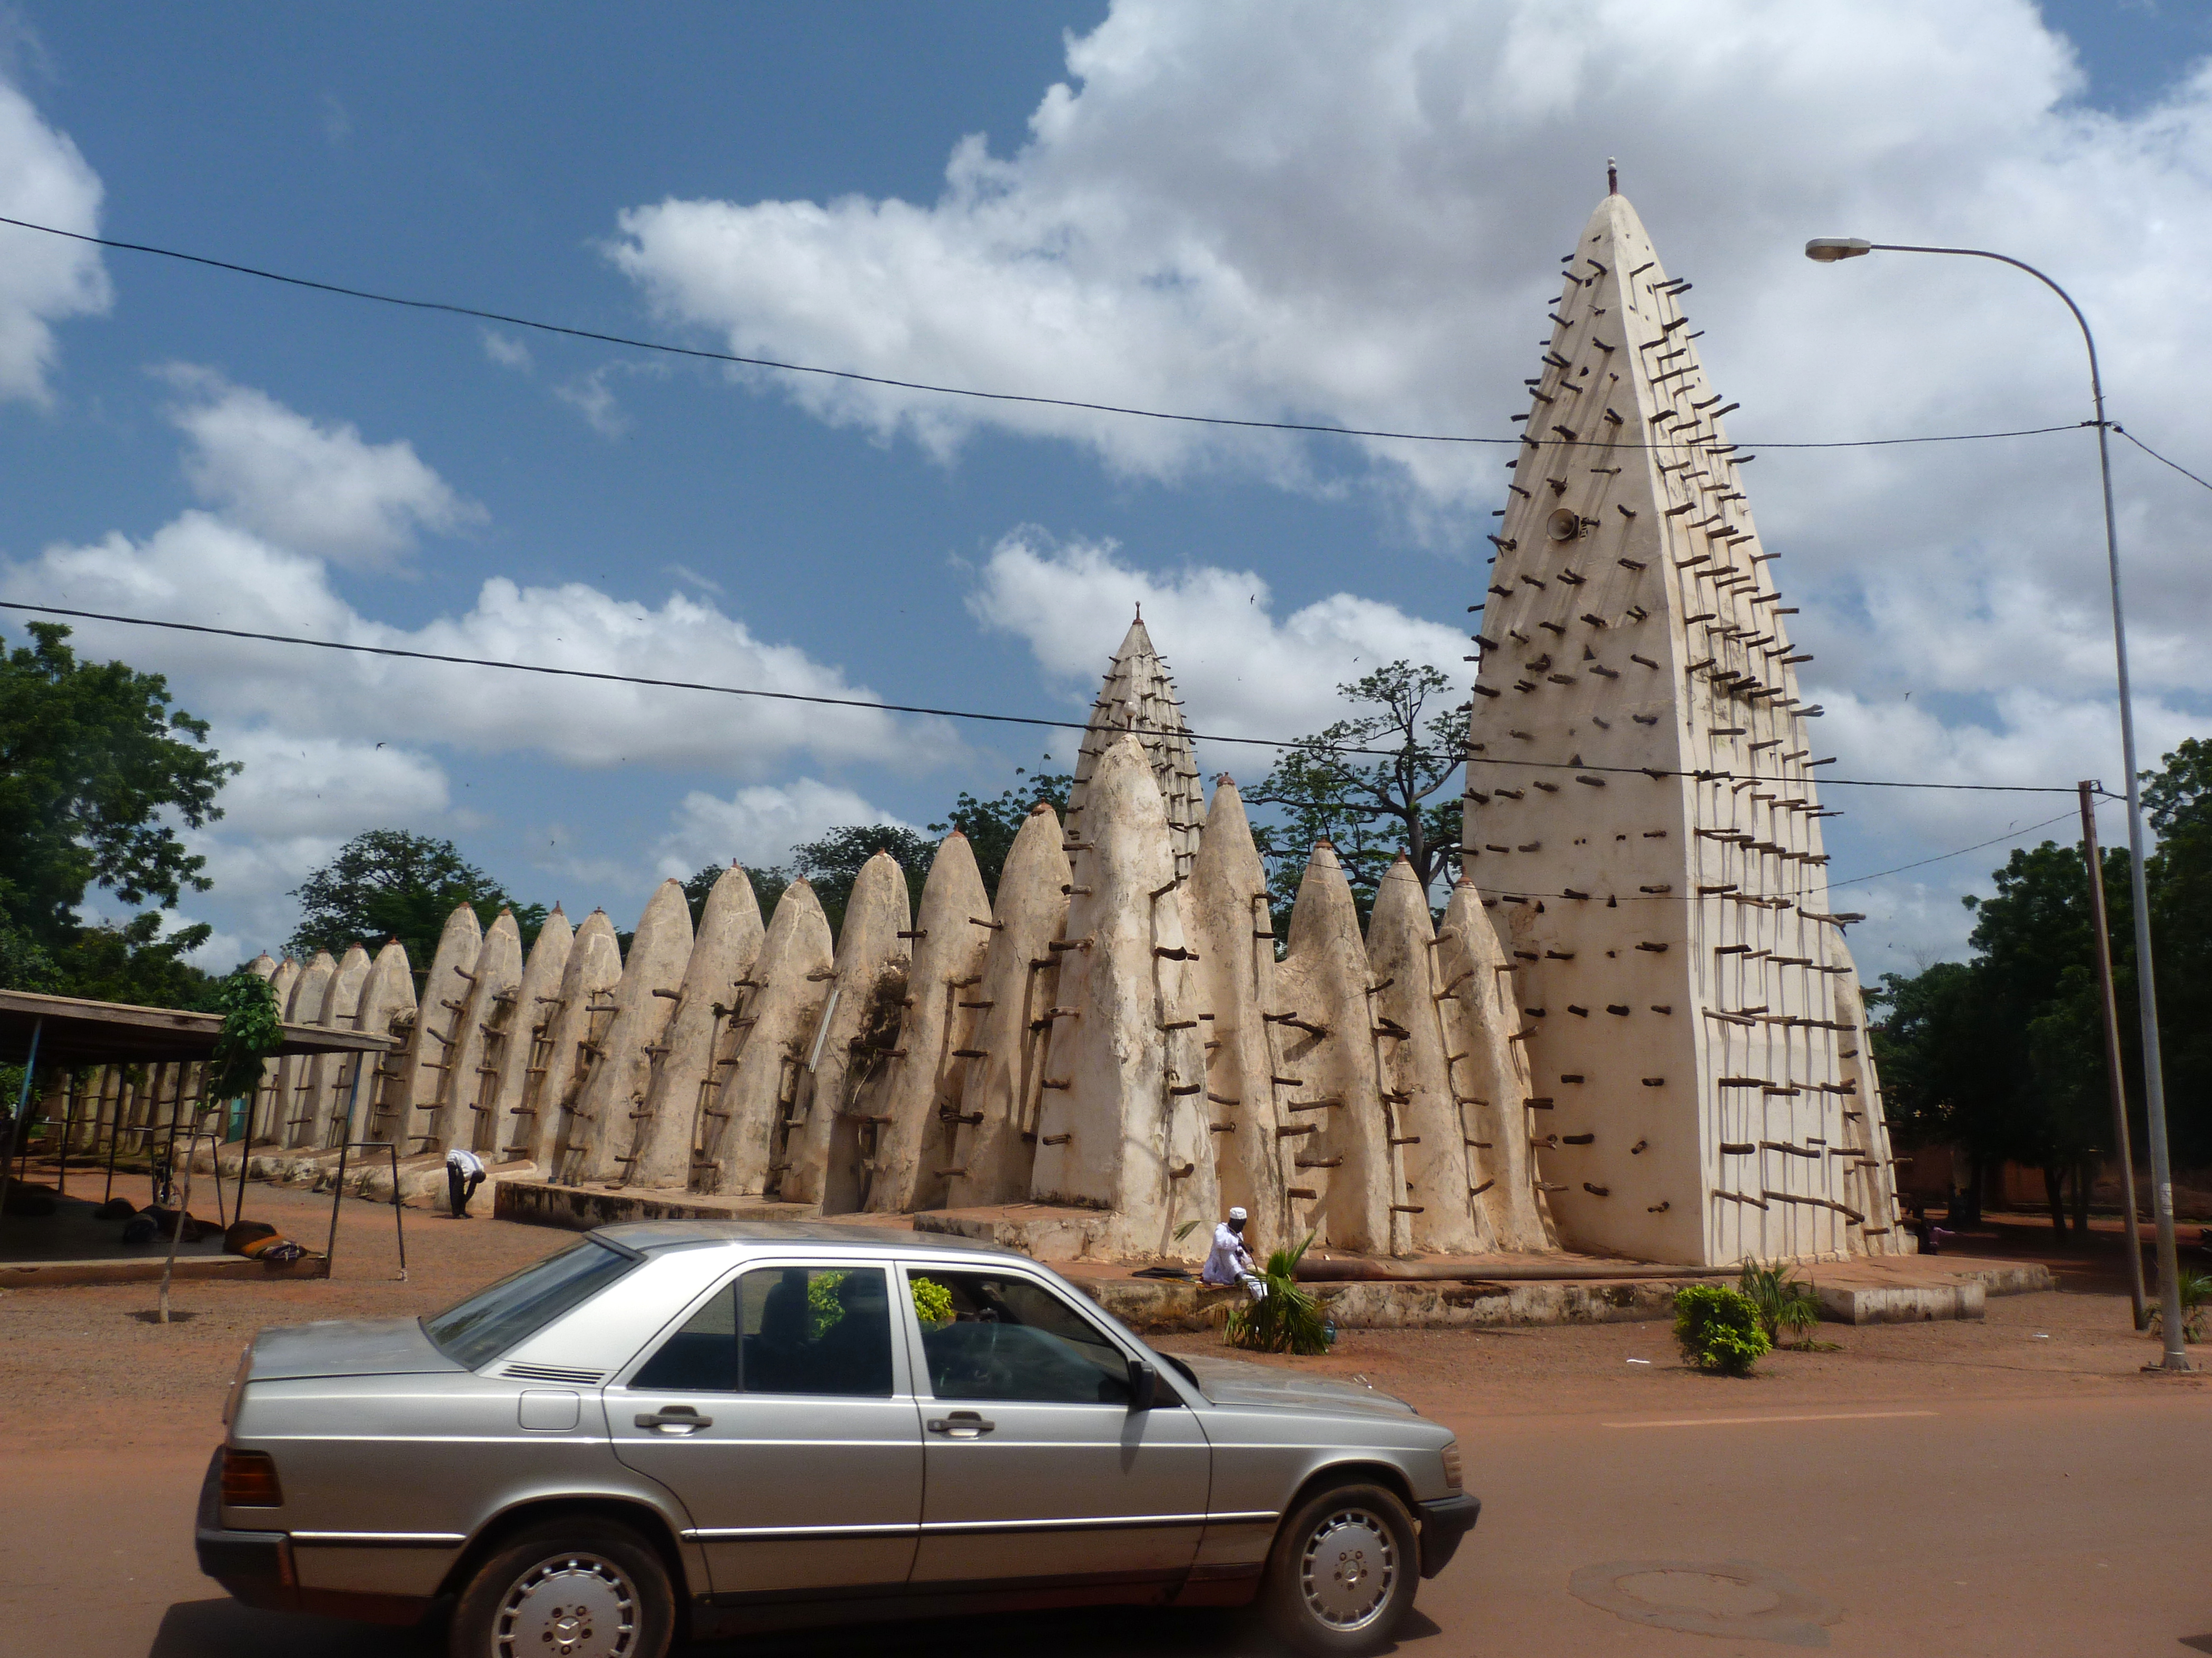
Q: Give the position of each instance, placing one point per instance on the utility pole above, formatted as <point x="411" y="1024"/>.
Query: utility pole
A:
<point x="2112" y="1016"/>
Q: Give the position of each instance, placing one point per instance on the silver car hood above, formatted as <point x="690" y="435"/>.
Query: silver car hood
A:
<point x="351" y="1347"/>
<point x="1240" y="1381"/>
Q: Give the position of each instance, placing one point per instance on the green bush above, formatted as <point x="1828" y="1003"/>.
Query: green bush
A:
<point x="1786" y="1303"/>
<point x="1719" y="1328"/>
<point x="2196" y="1303"/>
<point x="1287" y="1319"/>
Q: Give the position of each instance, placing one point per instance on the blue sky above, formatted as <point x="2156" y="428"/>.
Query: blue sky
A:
<point x="1302" y="211"/>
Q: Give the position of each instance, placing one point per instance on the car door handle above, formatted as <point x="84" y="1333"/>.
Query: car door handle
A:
<point x="960" y="1425"/>
<point x="674" y="1419"/>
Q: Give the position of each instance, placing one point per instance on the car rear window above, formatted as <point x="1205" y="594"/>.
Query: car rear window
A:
<point x="495" y="1319"/>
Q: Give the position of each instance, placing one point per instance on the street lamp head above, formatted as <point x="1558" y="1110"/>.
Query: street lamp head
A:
<point x="1826" y="250"/>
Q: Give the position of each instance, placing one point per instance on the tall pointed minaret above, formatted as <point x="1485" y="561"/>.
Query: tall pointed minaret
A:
<point x="1139" y="696"/>
<point x="1641" y="819"/>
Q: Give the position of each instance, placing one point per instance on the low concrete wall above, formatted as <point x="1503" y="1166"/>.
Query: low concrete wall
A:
<point x="51" y="1274"/>
<point x="1160" y="1305"/>
<point x="580" y="1208"/>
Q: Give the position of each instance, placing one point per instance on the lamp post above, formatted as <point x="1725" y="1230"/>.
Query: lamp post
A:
<point x="1827" y="250"/>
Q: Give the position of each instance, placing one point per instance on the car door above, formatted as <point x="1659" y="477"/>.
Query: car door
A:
<point x="1039" y="1471"/>
<point x="781" y="1415"/>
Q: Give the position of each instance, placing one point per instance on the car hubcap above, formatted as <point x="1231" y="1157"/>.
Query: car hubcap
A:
<point x="573" y="1606"/>
<point x="1349" y="1569"/>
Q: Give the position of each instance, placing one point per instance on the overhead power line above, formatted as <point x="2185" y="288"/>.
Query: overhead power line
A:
<point x="631" y="343"/>
<point x="2159" y="458"/>
<point x="818" y="700"/>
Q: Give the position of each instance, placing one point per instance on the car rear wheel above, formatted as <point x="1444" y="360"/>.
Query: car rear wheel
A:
<point x="1342" y="1573"/>
<point x="584" y="1588"/>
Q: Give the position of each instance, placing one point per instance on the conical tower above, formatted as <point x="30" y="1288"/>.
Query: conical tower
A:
<point x="1139" y="696"/>
<point x="1641" y="813"/>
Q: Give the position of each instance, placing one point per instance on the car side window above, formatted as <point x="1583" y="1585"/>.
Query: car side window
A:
<point x="823" y="1330"/>
<point x="1005" y="1338"/>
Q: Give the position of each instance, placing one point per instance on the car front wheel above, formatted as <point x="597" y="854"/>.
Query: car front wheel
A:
<point x="584" y="1588"/>
<point x="1342" y="1572"/>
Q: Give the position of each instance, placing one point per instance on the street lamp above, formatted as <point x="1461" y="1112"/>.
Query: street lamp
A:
<point x="1827" y="250"/>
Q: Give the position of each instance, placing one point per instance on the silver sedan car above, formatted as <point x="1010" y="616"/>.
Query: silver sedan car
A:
<point x="688" y="1430"/>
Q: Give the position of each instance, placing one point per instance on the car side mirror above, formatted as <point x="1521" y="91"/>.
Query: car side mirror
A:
<point x="1144" y="1384"/>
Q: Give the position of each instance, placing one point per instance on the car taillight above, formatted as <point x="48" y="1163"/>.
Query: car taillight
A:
<point x="249" y="1480"/>
<point x="1450" y="1455"/>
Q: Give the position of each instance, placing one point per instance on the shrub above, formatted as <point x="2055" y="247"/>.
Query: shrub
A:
<point x="2196" y="1304"/>
<point x="1718" y="1328"/>
<point x="1786" y="1303"/>
<point x="1287" y="1319"/>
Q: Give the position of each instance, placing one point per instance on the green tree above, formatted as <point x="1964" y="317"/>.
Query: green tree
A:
<point x="98" y="772"/>
<point x="1368" y="786"/>
<point x="832" y="864"/>
<point x="387" y="884"/>
<point x="991" y="825"/>
<point x="767" y="885"/>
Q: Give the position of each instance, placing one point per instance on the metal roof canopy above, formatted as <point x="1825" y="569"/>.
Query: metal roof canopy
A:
<point x="73" y="1031"/>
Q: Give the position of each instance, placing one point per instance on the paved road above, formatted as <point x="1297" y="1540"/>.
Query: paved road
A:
<point x="2042" y="1525"/>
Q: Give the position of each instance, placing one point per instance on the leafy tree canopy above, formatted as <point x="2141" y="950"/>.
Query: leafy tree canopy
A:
<point x="1368" y="786"/>
<point x="97" y="773"/>
<point x="991" y="825"/>
<point x="387" y="884"/>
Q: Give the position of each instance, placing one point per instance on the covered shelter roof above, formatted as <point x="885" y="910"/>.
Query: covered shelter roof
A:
<point x="73" y="1030"/>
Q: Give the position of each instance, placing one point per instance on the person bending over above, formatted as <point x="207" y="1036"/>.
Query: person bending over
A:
<point x="464" y="1172"/>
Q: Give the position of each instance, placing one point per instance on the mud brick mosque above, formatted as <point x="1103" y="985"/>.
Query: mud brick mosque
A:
<point x="1636" y="1029"/>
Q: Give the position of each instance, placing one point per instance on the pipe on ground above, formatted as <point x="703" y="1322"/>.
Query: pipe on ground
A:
<point x="1364" y="1271"/>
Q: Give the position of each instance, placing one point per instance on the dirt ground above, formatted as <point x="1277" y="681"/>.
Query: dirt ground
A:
<point x="1997" y="1486"/>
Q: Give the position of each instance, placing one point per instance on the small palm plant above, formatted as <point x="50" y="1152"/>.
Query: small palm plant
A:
<point x="2196" y="1305"/>
<point x="1786" y="1303"/>
<point x="1287" y="1319"/>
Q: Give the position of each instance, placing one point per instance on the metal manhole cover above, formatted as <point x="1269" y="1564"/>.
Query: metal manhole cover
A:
<point x="1707" y="1597"/>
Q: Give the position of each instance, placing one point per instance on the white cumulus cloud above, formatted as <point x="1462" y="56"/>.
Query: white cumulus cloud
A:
<point x="1242" y="671"/>
<point x="43" y="279"/>
<point x="318" y="489"/>
<point x="758" y="826"/>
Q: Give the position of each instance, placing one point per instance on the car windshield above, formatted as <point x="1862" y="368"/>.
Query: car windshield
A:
<point x="520" y="1304"/>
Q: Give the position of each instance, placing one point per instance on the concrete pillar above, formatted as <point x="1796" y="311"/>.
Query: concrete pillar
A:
<point x="762" y="1050"/>
<point x="560" y="1055"/>
<point x="507" y="1127"/>
<point x="995" y="1146"/>
<point x="1234" y="934"/>
<point x="1122" y="1127"/>
<point x="724" y="952"/>
<point x="620" y="1081"/>
<point x="436" y="1028"/>
<point x="1329" y="1089"/>
<point x="860" y="1027"/>
<point x="1489" y="1074"/>
<point x="1428" y="1149"/>
<point x="480" y="1015"/>
<point x="907" y="1157"/>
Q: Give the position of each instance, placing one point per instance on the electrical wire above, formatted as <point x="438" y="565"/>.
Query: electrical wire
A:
<point x="632" y="342"/>
<point x="2159" y="458"/>
<point x="604" y="676"/>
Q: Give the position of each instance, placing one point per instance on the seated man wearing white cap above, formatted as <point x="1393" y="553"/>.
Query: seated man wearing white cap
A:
<point x="1230" y="1261"/>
